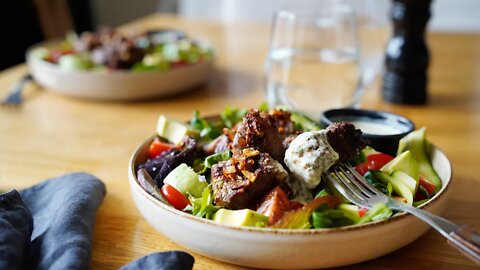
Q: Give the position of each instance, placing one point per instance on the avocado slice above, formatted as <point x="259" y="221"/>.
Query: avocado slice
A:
<point x="399" y="187"/>
<point x="172" y="130"/>
<point x="350" y="211"/>
<point x="185" y="179"/>
<point x="244" y="217"/>
<point x="417" y="144"/>
<point x="411" y="183"/>
<point x="405" y="162"/>
<point x="75" y="62"/>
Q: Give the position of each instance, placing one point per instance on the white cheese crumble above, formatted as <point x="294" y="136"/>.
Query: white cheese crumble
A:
<point x="309" y="156"/>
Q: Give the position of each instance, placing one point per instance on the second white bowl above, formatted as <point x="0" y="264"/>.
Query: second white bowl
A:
<point x="121" y="85"/>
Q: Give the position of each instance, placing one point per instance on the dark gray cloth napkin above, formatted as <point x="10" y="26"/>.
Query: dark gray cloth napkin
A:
<point x="16" y="225"/>
<point x="49" y="226"/>
<point x="62" y="211"/>
<point x="169" y="260"/>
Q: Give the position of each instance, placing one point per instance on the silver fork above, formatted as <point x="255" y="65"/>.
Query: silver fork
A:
<point x="359" y="191"/>
<point x="15" y="96"/>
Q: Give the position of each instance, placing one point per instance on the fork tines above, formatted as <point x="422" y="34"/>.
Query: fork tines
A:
<point x="351" y="184"/>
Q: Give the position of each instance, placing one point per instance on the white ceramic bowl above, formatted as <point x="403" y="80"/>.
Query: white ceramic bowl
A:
<point x="120" y="85"/>
<point x="280" y="248"/>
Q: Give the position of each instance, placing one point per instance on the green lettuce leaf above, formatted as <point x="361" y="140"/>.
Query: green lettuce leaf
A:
<point x="345" y="214"/>
<point x="214" y="159"/>
<point x="330" y="218"/>
<point x="263" y="107"/>
<point x="323" y="192"/>
<point x="203" y="207"/>
<point x="386" y="189"/>
<point x="232" y="116"/>
<point x="207" y="130"/>
<point x="300" y="218"/>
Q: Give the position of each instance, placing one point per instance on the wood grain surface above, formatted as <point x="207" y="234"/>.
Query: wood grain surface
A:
<point x="50" y="135"/>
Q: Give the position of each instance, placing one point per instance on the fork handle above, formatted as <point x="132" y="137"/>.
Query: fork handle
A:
<point x="25" y="78"/>
<point x="463" y="238"/>
<point x="22" y="81"/>
<point x="466" y="240"/>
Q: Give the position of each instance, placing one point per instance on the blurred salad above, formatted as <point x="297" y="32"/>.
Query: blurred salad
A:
<point x="109" y="50"/>
<point x="264" y="168"/>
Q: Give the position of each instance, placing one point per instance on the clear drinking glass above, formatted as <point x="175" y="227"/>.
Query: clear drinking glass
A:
<point x="374" y="29"/>
<point x="313" y="60"/>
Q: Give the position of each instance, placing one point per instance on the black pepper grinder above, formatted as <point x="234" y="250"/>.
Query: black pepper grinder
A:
<point x="407" y="57"/>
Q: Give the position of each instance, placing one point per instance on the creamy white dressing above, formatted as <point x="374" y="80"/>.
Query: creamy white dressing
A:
<point x="372" y="126"/>
<point x="300" y="193"/>
<point x="379" y="128"/>
<point x="309" y="156"/>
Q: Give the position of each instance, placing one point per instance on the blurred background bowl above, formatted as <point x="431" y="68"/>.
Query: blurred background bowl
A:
<point x="119" y="85"/>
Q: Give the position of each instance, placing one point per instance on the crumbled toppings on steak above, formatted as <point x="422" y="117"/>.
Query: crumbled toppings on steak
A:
<point x="258" y="130"/>
<point x="284" y="124"/>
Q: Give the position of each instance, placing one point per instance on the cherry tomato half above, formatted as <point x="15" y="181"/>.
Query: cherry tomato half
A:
<point x="174" y="197"/>
<point x="180" y="63"/>
<point x="157" y="147"/>
<point x="363" y="168"/>
<point x="362" y="211"/>
<point x="374" y="162"/>
<point x="55" y="55"/>
<point x="429" y="187"/>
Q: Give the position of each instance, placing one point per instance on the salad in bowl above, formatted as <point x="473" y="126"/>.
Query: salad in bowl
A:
<point x="109" y="65"/>
<point x="109" y="50"/>
<point x="264" y="168"/>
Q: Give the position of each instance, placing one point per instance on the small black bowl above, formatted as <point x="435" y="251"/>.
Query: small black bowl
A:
<point x="383" y="129"/>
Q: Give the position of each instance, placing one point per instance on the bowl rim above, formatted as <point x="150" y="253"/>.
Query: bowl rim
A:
<point x="323" y="231"/>
<point x="325" y="117"/>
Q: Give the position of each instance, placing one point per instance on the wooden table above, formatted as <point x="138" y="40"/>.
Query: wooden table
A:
<point x="51" y="135"/>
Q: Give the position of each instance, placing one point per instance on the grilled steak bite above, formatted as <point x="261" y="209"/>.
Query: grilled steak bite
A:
<point x="345" y="140"/>
<point x="288" y="140"/>
<point x="240" y="182"/>
<point x="258" y="130"/>
<point x="219" y="145"/>
<point x="284" y="124"/>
